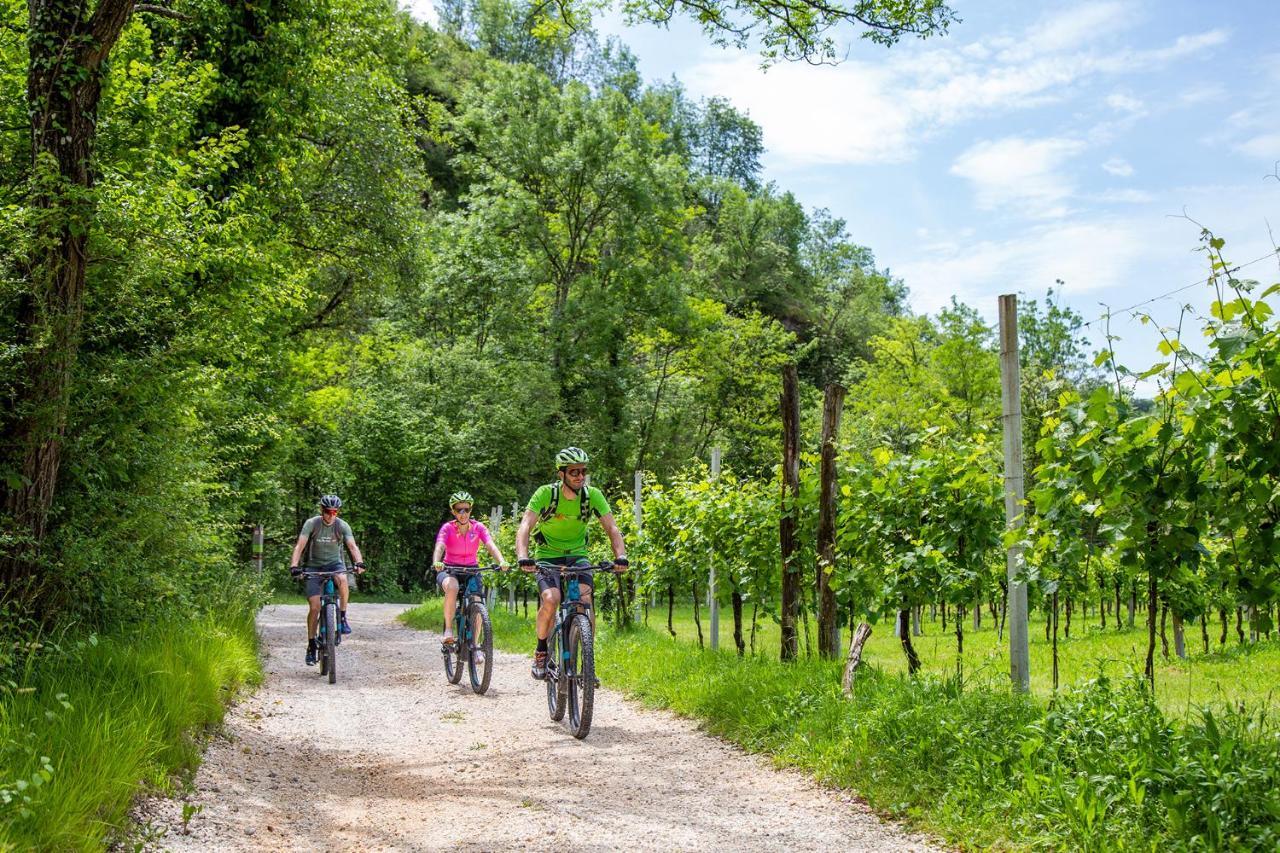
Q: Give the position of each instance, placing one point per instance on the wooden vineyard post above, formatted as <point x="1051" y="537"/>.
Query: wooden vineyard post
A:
<point x="1011" y="399"/>
<point x="787" y="524"/>
<point x="495" y="519"/>
<point x="828" y="624"/>
<point x="856" y="642"/>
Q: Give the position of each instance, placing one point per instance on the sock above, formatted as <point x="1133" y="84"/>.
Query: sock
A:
<point x="542" y="645"/>
<point x="342" y="613"/>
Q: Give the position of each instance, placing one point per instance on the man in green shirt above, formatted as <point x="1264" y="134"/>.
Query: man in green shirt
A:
<point x="323" y="538"/>
<point x="557" y="521"/>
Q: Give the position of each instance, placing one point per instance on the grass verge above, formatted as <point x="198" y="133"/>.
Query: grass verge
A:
<point x="1099" y="768"/>
<point x="89" y="725"/>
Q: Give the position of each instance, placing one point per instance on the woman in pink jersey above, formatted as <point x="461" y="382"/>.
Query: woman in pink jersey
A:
<point x="457" y="544"/>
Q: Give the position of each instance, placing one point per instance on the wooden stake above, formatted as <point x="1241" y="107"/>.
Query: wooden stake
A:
<point x="1011" y="398"/>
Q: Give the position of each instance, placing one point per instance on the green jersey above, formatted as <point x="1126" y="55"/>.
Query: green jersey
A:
<point x="325" y="542"/>
<point x="564" y="533"/>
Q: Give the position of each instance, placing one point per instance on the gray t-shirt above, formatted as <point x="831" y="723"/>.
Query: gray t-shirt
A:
<point x="325" y="542"/>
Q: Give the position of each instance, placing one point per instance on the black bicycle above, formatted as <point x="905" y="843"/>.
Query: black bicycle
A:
<point x="571" y="659"/>
<point x="472" y="630"/>
<point x="328" y="637"/>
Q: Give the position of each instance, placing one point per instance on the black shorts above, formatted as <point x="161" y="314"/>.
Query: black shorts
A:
<point x="315" y="586"/>
<point x="456" y="575"/>
<point x="548" y="579"/>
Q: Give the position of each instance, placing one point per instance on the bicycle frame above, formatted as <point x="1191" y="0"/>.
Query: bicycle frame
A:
<point x="471" y="600"/>
<point x="330" y="604"/>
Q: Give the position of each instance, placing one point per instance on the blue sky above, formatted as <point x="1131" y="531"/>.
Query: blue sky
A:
<point x="1034" y="142"/>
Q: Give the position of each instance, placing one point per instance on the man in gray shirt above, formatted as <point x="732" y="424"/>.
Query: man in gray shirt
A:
<point x="323" y="537"/>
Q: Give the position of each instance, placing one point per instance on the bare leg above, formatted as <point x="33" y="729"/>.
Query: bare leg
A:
<point x="450" y="587"/>
<point x="547" y="611"/>
<point x="313" y="616"/>
<point x="344" y="591"/>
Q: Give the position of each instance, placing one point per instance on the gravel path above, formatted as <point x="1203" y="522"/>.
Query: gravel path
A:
<point x="392" y="757"/>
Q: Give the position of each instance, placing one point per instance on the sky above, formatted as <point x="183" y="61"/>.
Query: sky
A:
<point x="1086" y="142"/>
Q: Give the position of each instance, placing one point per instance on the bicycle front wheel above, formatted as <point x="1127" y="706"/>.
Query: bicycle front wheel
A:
<point x="330" y="634"/>
<point x="581" y="676"/>
<point x="555" y="686"/>
<point x="453" y="653"/>
<point x="480" y="643"/>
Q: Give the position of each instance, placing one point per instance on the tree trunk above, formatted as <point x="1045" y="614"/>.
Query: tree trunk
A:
<point x="977" y="612"/>
<point x="1239" y="624"/>
<point x="1102" y="606"/>
<point x="1204" y="631"/>
<point x="1222" y="615"/>
<point x="1133" y="600"/>
<point x="1004" y="608"/>
<point x="959" y="648"/>
<point x="671" y="606"/>
<point x="944" y="617"/>
<point x="915" y="622"/>
<point x="755" y="611"/>
<point x="1152" y="589"/>
<point x="1067" y="630"/>
<point x="1179" y="638"/>
<point x="524" y="595"/>
<point x="790" y="402"/>
<point x="737" y="623"/>
<point x="1164" y="640"/>
<point x="856" y="642"/>
<point x="697" y="619"/>
<point x="66" y="49"/>
<point x="1117" y="603"/>
<point x="828" y="625"/>
<point x="904" y="634"/>
<point x="1054" y="619"/>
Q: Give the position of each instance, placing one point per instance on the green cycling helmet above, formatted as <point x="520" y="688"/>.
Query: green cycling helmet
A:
<point x="571" y="455"/>
<point x="458" y="497"/>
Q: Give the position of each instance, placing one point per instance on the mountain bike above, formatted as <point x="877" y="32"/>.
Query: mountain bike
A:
<point x="328" y="637"/>
<point x="571" y="659"/>
<point x="472" y="630"/>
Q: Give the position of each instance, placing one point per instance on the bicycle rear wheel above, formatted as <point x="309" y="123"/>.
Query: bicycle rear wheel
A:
<point x="555" y="686"/>
<point x="453" y="654"/>
<point x="480" y="641"/>
<point x="330" y="634"/>
<point x="581" y="676"/>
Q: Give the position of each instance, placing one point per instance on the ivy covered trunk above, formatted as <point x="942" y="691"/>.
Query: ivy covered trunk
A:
<point x="67" y="47"/>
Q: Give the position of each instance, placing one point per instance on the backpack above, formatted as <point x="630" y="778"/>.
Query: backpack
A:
<point x="585" y="511"/>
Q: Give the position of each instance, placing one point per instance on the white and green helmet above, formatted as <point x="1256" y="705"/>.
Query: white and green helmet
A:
<point x="571" y="455"/>
<point x="459" y="497"/>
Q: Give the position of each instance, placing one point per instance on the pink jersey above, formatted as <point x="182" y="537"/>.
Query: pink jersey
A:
<point x="460" y="548"/>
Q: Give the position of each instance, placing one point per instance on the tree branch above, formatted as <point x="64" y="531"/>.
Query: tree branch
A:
<point x="162" y="11"/>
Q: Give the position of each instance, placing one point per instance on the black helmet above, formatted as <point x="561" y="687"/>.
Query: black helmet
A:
<point x="330" y="502"/>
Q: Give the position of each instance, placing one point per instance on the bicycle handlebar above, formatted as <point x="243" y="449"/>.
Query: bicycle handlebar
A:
<point x="324" y="574"/>
<point x="472" y="569"/>
<point x="544" y="567"/>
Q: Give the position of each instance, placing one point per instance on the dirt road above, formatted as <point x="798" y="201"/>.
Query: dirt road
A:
<point x="394" y="758"/>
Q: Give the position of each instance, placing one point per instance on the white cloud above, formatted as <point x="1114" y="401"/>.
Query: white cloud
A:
<point x="1022" y="173"/>
<point x="1118" y="166"/>
<point x="1124" y="103"/>
<point x="1090" y="256"/>
<point x="878" y="113"/>
<point x="422" y="10"/>
<point x="1266" y="146"/>
<point x="1124" y="196"/>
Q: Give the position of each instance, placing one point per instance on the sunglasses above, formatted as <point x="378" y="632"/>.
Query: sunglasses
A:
<point x="576" y="472"/>
<point x="461" y="510"/>
<point x="327" y="511"/>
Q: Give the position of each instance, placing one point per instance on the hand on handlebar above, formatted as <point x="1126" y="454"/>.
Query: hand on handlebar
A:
<point x="527" y="564"/>
<point x="295" y="571"/>
<point x="620" y="565"/>
<point x="359" y="567"/>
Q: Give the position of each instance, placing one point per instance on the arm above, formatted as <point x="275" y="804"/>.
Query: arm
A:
<point x="437" y="556"/>
<point x="527" y="521"/>
<point x="615" y="536"/>
<point x="492" y="548"/>
<point x="297" y="550"/>
<point x="355" y="554"/>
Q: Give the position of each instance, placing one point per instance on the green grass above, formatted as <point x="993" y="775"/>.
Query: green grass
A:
<point x="1101" y="768"/>
<point x="1229" y="675"/>
<point x="87" y="727"/>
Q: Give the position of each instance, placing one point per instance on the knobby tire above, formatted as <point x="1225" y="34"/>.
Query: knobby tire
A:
<point x="481" y="641"/>
<point x="555" y="685"/>
<point x="330" y="633"/>
<point x="582" y="669"/>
